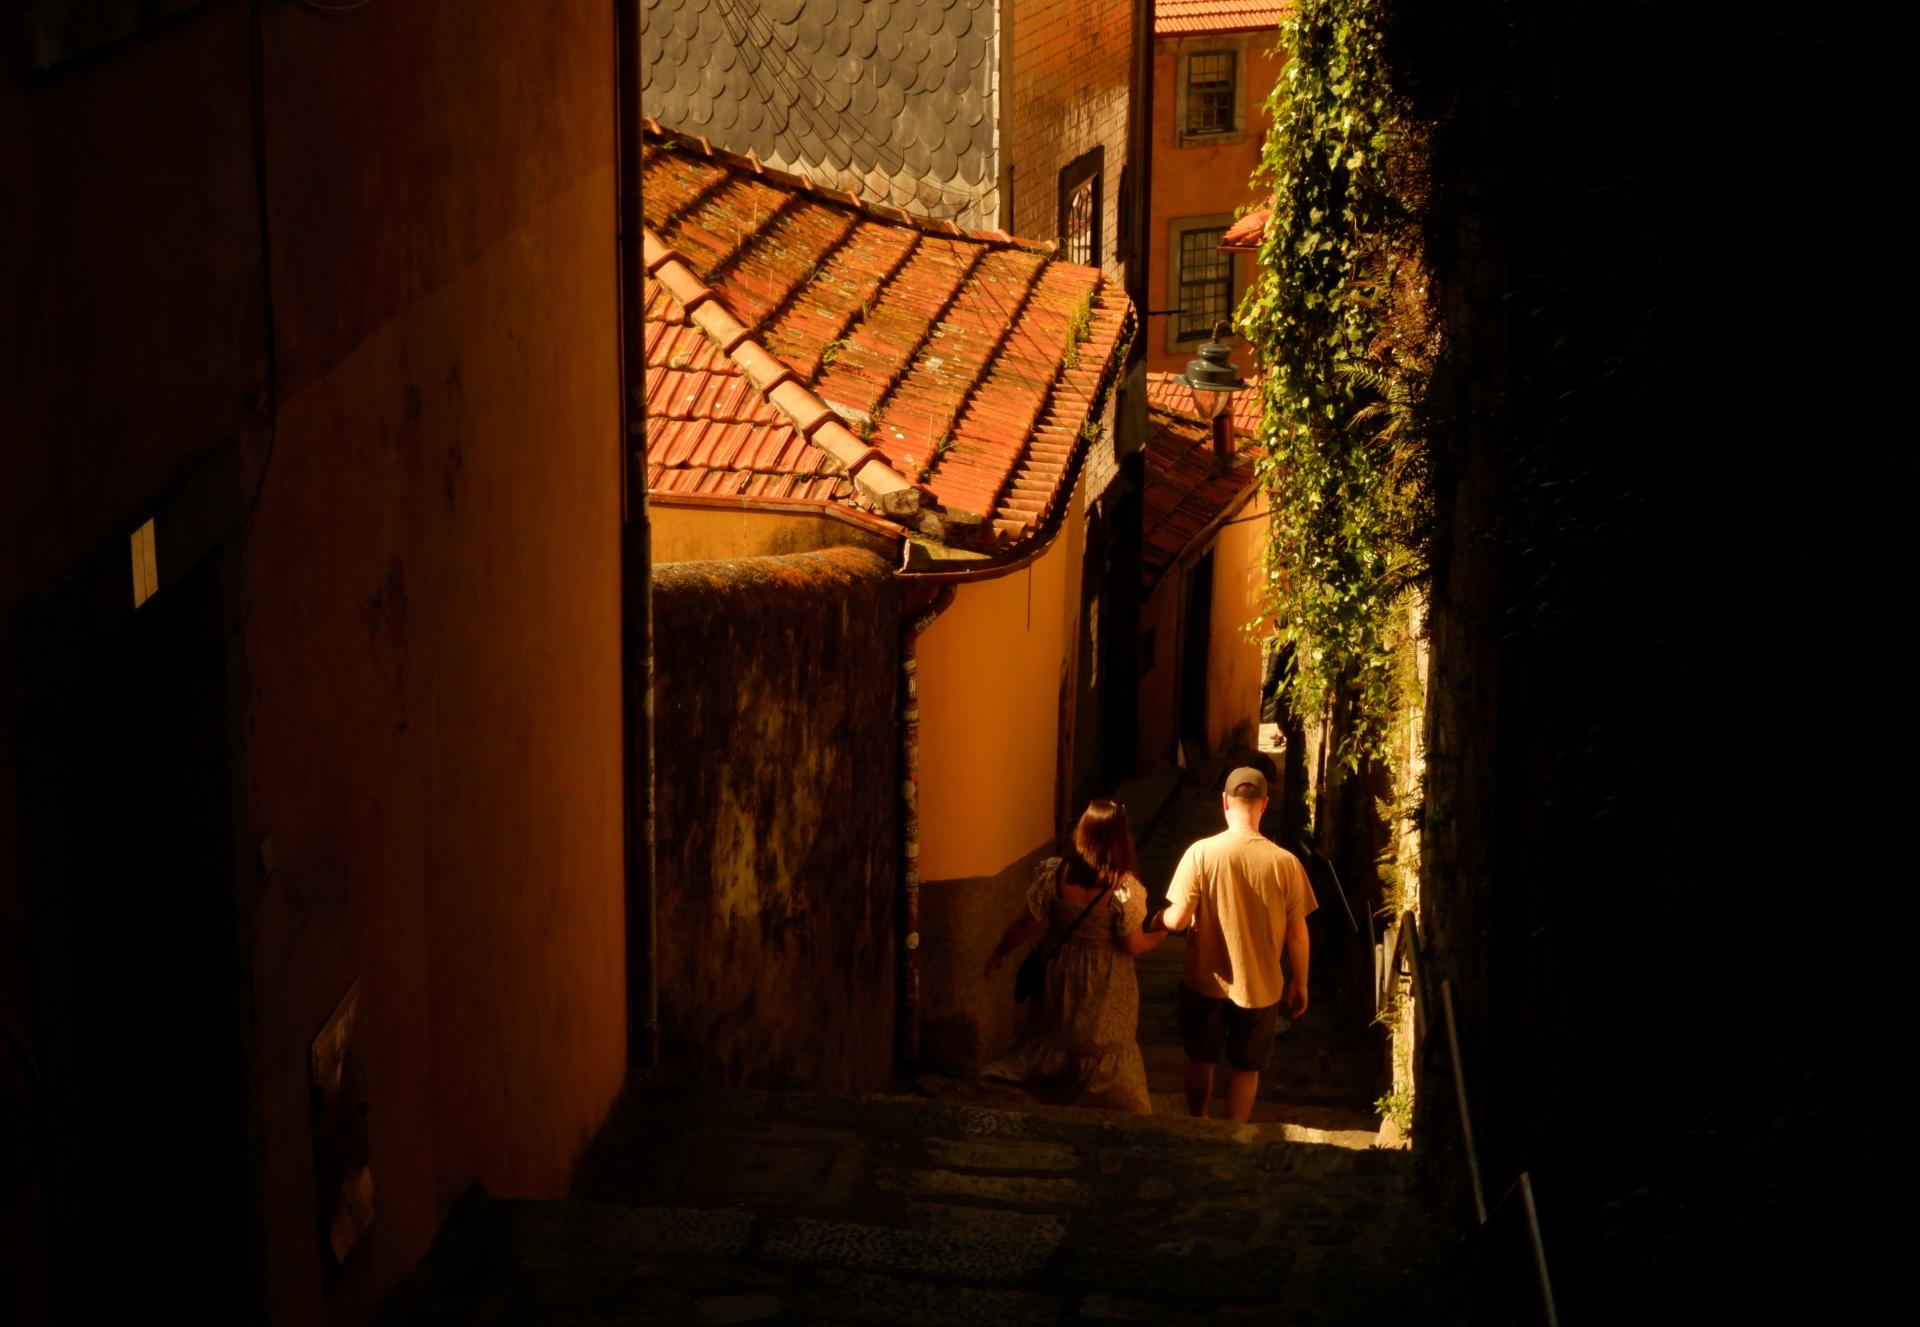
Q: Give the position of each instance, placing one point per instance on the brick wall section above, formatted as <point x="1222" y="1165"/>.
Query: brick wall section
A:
<point x="1069" y="79"/>
<point x="779" y="843"/>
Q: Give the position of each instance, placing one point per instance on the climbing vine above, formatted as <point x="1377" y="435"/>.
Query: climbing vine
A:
<point x="1337" y="320"/>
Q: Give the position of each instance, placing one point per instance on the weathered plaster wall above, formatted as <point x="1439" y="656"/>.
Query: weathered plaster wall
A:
<point x="995" y="679"/>
<point x="425" y="598"/>
<point x="1068" y="74"/>
<point x="1211" y="178"/>
<point x="778" y="801"/>
<point x="692" y="534"/>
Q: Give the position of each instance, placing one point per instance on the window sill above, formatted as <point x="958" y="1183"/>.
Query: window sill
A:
<point x="1225" y="138"/>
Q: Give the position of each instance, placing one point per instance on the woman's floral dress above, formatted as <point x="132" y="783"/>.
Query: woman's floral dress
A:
<point x="1081" y="1047"/>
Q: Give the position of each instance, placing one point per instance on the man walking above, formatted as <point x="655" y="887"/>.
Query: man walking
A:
<point x="1243" y="899"/>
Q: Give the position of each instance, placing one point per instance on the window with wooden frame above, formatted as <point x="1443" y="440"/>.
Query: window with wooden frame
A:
<point x="1080" y="206"/>
<point x="1204" y="280"/>
<point x="1210" y="92"/>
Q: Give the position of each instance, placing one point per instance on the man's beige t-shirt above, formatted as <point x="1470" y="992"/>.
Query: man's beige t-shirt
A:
<point x="1244" y="888"/>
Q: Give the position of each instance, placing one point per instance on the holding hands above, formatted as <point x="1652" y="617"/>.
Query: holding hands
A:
<point x="1293" y="1002"/>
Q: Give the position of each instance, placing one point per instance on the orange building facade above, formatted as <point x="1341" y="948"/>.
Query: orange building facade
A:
<point x="310" y="766"/>
<point x="1214" y="66"/>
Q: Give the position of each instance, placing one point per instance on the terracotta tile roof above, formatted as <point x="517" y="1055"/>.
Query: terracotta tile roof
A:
<point x="894" y="98"/>
<point x="1179" y="18"/>
<point x="1244" y="235"/>
<point x="803" y="344"/>
<point x="1168" y="395"/>
<point x="1187" y="488"/>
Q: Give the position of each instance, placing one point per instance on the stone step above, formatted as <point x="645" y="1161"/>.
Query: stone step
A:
<point x="733" y="1206"/>
<point x="564" y="1263"/>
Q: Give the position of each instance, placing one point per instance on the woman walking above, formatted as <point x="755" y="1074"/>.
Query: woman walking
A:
<point x="1080" y="1049"/>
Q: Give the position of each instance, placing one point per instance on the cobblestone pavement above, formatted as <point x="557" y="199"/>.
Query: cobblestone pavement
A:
<point x="726" y="1207"/>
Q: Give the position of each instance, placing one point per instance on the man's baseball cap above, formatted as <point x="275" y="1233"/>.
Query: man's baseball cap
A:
<point x="1247" y="783"/>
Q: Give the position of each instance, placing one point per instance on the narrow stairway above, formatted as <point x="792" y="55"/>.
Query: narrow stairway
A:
<point x="715" y="1206"/>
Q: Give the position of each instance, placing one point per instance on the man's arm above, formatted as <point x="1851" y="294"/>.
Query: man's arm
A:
<point x="1178" y="914"/>
<point x="1295" y="998"/>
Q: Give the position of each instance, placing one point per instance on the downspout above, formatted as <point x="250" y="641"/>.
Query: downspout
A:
<point x="913" y="623"/>
<point x="636" y="554"/>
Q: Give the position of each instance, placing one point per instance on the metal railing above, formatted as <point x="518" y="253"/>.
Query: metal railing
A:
<point x="1408" y="961"/>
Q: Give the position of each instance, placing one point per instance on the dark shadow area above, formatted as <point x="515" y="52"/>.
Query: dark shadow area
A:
<point x="789" y="1207"/>
<point x="1660" y="843"/>
<point x="136" y="974"/>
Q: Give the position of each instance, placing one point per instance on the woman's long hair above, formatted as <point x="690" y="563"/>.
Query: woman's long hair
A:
<point x="1102" y="852"/>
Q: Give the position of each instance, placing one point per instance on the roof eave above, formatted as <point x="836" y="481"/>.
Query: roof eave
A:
<point x="1028" y="548"/>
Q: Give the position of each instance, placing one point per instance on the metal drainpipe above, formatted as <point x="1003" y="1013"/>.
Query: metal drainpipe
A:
<point x="910" y="820"/>
<point x="636" y="550"/>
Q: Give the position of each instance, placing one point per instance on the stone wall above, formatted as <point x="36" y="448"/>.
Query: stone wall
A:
<point x="777" y="751"/>
<point x="1671" y="729"/>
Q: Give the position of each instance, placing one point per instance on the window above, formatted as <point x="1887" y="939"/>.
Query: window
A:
<point x="1210" y="92"/>
<point x="1080" y="209"/>
<point x="1205" y="294"/>
<point x="1076" y="242"/>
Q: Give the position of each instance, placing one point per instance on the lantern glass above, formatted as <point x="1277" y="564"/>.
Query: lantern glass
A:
<point x="1212" y="402"/>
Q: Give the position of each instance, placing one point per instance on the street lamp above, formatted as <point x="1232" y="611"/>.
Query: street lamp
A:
<point x="1213" y="380"/>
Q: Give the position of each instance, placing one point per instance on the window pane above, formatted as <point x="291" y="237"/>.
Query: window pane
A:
<point x="1206" y="282"/>
<point x="1210" y="93"/>
<point x="1080" y="205"/>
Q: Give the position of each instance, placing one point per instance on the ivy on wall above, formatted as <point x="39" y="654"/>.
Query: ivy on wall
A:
<point x="1337" y="320"/>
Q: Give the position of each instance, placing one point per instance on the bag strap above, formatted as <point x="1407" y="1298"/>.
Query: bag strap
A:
<point x="1075" y="928"/>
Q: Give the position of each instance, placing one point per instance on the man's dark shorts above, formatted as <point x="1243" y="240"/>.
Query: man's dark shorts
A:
<point x="1209" y="1026"/>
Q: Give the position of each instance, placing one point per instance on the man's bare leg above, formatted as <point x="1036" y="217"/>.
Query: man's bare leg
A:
<point x="1241" y="1085"/>
<point x="1199" y="1088"/>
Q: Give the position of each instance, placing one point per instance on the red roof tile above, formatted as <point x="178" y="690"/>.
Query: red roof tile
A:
<point x="1179" y="18"/>
<point x="792" y="333"/>
<point x="1244" y="235"/>
<point x="1187" y="487"/>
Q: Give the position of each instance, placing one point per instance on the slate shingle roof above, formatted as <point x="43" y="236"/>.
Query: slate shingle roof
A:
<point x="802" y="344"/>
<point x="1185" y="18"/>
<point x="1187" y="488"/>
<point x="890" y="98"/>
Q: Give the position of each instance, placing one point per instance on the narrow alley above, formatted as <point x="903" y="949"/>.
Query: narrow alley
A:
<point x="722" y="1206"/>
<point x="579" y="582"/>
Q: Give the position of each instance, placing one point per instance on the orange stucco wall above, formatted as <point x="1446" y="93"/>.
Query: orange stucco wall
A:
<point x="991" y="672"/>
<point x="1233" y="654"/>
<point x="433" y="606"/>
<point x="699" y="533"/>
<point x="995" y="681"/>
<point x="1201" y="181"/>
<point x="425" y="600"/>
